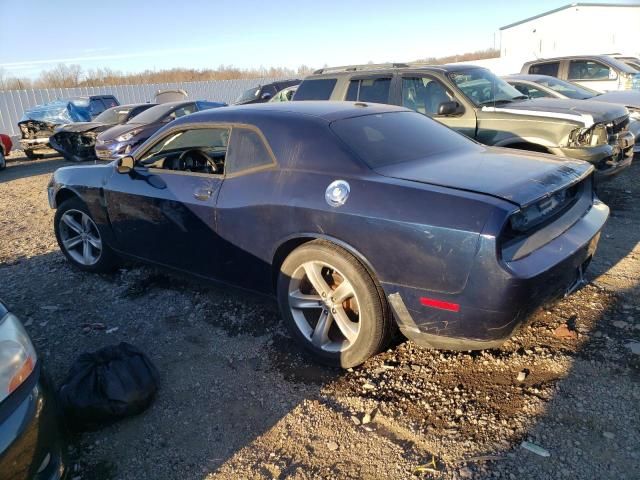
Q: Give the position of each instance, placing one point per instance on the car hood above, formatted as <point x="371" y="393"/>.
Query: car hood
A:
<point x="117" y="130"/>
<point x="81" y="127"/>
<point x="629" y="98"/>
<point x="585" y="111"/>
<point x="520" y="178"/>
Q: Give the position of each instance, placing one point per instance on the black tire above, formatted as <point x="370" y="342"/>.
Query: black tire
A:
<point x="107" y="260"/>
<point x="374" y="318"/>
<point x="3" y="161"/>
<point x="31" y="155"/>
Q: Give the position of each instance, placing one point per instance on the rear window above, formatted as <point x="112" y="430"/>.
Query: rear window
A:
<point x="550" y="69"/>
<point x="315" y="89"/>
<point x="396" y="137"/>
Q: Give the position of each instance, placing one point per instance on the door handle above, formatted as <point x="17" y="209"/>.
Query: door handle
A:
<point x="203" y="194"/>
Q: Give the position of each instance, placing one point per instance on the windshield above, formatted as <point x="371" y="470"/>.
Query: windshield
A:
<point x="483" y="88"/>
<point x="154" y="114"/>
<point x="249" y="95"/>
<point x="567" y="89"/>
<point x="396" y="137"/>
<point x="112" y="115"/>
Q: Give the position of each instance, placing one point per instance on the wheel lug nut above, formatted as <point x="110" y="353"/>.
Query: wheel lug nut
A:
<point x="333" y="310"/>
<point x="324" y="294"/>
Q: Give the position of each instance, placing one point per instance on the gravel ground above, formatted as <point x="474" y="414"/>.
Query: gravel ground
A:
<point x="238" y="400"/>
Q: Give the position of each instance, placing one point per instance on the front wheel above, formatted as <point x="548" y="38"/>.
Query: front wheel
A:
<point x="332" y="306"/>
<point x="3" y="161"/>
<point x="80" y="239"/>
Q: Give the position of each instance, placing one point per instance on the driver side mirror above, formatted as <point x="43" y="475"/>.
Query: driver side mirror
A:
<point x="448" y="108"/>
<point x="266" y="96"/>
<point x="126" y="164"/>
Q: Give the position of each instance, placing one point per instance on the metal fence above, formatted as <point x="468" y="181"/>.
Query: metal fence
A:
<point x="13" y="103"/>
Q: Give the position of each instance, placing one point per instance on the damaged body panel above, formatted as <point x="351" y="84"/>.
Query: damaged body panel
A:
<point x="76" y="141"/>
<point x="544" y="86"/>
<point x="38" y="123"/>
<point x="464" y="240"/>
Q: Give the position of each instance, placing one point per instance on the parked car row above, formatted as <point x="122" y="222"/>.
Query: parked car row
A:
<point x="478" y="104"/>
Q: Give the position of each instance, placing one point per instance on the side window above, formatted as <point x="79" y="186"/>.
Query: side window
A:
<point x="529" y="91"/>
<point x="423" y="94"/>
<point x="198" y="150"/>
<point x="590" y="70"/>
<point x="375" y="90"/>
<point x="550" y="69"/>
<point x="320" y="89"/>
<point x="246" y="151"/>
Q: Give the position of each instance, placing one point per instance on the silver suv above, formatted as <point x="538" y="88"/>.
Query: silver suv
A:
<point x="602" y="73"/>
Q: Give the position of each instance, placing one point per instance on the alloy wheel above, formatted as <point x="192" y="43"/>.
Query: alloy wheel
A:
<point x="324" y="306"/>
<point x="80" y="237"/>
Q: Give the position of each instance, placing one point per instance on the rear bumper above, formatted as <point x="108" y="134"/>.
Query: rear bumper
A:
<point x="499" y="296"/>
<point x="31" y="446"/>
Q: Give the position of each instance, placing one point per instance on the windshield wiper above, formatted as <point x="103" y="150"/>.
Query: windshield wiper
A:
<point x="496" y="102"/>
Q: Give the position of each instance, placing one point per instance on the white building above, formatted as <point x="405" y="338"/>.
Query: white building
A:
<point x="576" y="29"/>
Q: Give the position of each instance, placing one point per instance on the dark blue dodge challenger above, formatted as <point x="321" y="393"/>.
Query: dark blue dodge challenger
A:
<point x="357" y="216"/>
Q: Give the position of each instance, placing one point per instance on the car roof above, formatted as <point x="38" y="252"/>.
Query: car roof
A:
<point x="620" y="65"/>
<point x="320" y="110"/>
<point x="350" y="70"/>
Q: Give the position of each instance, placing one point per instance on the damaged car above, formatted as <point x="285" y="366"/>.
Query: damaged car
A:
<point x="121" y="140"/>
<point x="475" y="102"/>
<point x="38" y="123"/>
<point x="264" y="93"/>
<point x="356" y="216"/>
<point x="5" y="149"/>
<point x="544" y="86"/>
<point x="77" y="141"/>
<point x="31" y="445"/>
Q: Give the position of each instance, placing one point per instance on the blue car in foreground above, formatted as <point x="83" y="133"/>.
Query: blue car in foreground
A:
<point x="357" y="216"/>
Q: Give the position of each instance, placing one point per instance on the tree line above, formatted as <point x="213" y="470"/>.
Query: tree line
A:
<point x="70" y="75"/>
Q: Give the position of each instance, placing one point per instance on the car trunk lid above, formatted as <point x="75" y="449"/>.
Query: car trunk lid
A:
<point x="518" y="177"/>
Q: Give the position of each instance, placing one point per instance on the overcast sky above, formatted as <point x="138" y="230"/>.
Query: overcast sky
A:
<point x="136" y="35"/>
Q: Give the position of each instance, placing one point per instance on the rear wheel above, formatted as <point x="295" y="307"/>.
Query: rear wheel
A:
<point x="332" y="305"/>
<point x="80" y="238"/>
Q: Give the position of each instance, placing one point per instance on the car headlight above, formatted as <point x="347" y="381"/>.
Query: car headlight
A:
<point x="128" y="136"/>
<point x="17" y="355"/>
<point x="634" y="114"/>
<point x="589" y="137"/>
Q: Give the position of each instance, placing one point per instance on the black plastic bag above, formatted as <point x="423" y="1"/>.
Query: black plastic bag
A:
<point x="107" y="385"/>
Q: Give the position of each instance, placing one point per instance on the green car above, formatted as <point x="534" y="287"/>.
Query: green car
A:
<point x="475" y="102"/>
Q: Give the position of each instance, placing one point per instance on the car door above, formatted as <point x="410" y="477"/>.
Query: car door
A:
<point x="425" y="93"/>
<point x="163" y="211"/>
<point x="592" y="74"/>
<point x="244" y="211"/>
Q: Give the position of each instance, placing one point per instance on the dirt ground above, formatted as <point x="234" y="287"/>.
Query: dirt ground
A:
<point x="238" y="400"/>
